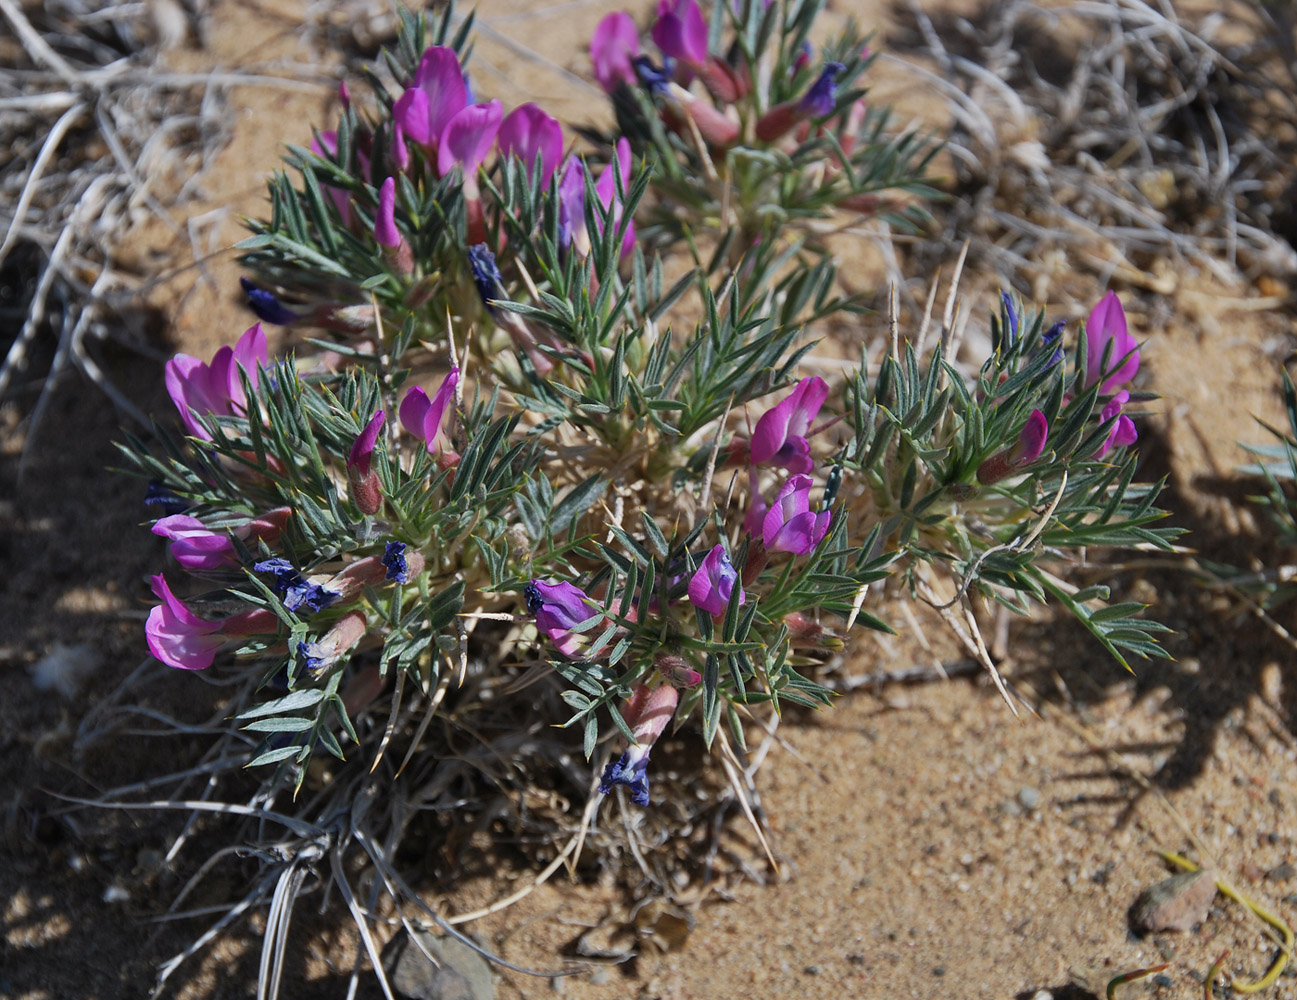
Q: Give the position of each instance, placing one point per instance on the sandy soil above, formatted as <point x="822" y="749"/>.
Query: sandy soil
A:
<point x="929" y="843"/>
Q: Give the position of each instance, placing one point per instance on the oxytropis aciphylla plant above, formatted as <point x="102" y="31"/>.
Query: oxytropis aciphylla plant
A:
<point x="687" y="521"/>
<point x="752" y="130"/>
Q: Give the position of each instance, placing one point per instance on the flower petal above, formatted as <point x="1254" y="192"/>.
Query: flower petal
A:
<point x="614" y="44"/>
<point x="528" y="132"/>
<point x="468" y="137"/>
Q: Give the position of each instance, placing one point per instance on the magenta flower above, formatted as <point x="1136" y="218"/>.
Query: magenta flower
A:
<point x="1029" y="447"/>
<point x="559" y="607"/>
<point x="436" y="95"/>
<point x="1107" y="326"/>
<point x="389" y="237"/>
<point x="571" y="201"/>
<point x="385" y="231"/>
<point x="181" y="639"/>
<point x="647" y="714"/>
<point x="790" y="525"/>
<point x="362" y="450"/>
<point x="1122" y="430"/>
<point x="197" y="388"/>
<point x="467" y="138"/>
<point x="529" y="133"/>
<point x="606" y="188"/>
<point x="680" y="32"/>
<point x="614" y="45"/>
<point x="1031" y="440"/>
<point x="195" y="546"/>
<point x="366" y="492"/>
<point x="713" y="582"/>
<point x="422" y="416"/>
<point x="780" y="434"/>
<point x="571" y="206"/>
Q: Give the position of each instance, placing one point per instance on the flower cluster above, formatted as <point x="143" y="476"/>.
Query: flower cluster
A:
<point x="754" y="137"/>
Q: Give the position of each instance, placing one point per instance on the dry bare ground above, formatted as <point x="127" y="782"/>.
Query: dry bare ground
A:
<point x="928" y="843"/>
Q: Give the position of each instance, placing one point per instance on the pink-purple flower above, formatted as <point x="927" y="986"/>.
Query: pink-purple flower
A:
<point x="790" y="525"/>
<point x="1106" y="332"/>
<point x="530" y="134"/>
<point x="366" y="492"/>
<point x="780" y="434"/>
<point x="1121" y="431"/>
<point x="1026" y="450"/>
<point x="186" y="641"/>
<point x="558" y="608"/>
<point x="713" y="582"/>
<point x="606" y="188"/>
<point x="422" y="416"/>
<point x="614" y="45"/>
<point x="466" y="140"/>
<point x="1031" y="440"/>
<point x="680" y="32"/>
<point x="571" y="198"/>
<point x="200" y="549"/>
<point x="437" y="93"/>
<point x="199" y="388"/>
<point x="195" y="546"/>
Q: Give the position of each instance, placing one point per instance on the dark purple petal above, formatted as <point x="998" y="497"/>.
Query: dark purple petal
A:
<point x="157" y="495"/>
<point x="821" y="100"/>
<point x="394" y="560"/>
<point x="267" y="306"/>
<point x="1011" y="314"/>
<point x="650" y="76"/>
<point x="631" y="770"/>
<point x="486" y="274"/>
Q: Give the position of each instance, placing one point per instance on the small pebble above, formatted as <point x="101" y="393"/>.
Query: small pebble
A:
<point x="1281" y="873"/>
<point x="1174" y="904"/>
<point x="1029" y="798"/>
<point x="463" y="974"/>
